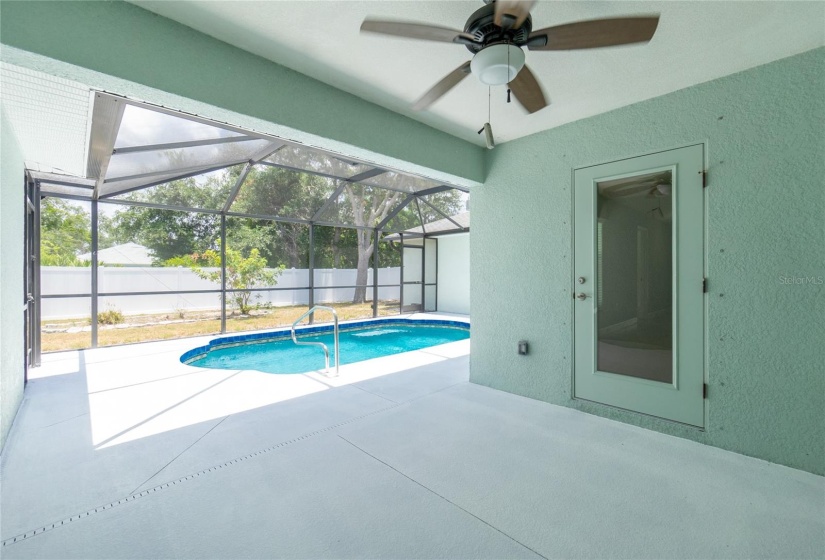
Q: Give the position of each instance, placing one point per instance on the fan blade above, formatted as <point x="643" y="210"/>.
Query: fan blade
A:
<point x="510" y="14"/>
<point x="594" y="33"/>
<point x="446" y="84"/>
<point x="421" y="31"/>
<point x="528" y="91"/>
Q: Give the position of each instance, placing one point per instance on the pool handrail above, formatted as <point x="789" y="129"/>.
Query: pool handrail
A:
<point x="321" y="344"/>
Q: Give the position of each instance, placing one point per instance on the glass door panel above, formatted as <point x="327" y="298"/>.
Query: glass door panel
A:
<point x="634" y="269"/>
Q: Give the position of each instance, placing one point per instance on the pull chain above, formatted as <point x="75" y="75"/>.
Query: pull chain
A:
<point x="508" y="71"/>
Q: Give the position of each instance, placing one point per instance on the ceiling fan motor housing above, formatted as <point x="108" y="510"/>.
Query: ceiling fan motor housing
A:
<point x="482" y="27"/>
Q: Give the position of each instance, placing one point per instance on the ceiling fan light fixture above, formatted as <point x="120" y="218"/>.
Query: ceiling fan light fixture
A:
<point x="497" y="65"/>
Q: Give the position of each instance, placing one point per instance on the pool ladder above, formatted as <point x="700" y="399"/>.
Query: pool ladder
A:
<point x="321" y="344"/>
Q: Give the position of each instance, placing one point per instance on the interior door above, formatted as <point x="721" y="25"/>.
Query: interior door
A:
<point x="638" y="284"/>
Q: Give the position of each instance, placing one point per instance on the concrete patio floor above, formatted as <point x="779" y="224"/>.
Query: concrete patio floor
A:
<point x="126" y="453"/>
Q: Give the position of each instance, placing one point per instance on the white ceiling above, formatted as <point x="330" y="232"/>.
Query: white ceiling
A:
<point x="695" y="42"/>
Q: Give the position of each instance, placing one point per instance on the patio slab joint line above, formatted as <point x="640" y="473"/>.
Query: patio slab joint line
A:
<point x="179" y="454"/>
<point x="48" y="527"/>
<point x="428" y="489"/>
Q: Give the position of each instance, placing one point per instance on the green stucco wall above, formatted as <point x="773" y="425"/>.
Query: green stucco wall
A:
<point x="765" y="221"/>
<point x="130" y="51"/>
<point x="11" y="277"/>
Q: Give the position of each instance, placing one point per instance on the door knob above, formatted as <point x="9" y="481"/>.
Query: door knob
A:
<point x="581" y="297"/>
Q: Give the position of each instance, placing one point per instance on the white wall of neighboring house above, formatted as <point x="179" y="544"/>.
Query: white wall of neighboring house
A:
<point x="454" y="273"/>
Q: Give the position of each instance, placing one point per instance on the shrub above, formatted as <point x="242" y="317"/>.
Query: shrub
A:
<point x="111" y="316"/>
<point x="242" y="274"/>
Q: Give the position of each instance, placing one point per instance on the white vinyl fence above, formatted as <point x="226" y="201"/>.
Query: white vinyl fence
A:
<point x="77" y="280"/>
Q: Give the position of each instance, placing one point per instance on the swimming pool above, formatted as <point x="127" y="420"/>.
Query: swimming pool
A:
<point x="275" y="352"/>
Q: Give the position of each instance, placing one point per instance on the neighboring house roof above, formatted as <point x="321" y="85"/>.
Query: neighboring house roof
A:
<point x="440" y="226"/>
<point x="128" y="254"/>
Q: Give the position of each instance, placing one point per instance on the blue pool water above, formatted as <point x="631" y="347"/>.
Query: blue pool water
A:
<point x="284" y="356"/>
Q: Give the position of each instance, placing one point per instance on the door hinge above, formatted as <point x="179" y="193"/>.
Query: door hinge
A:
<point x="704" y="285"/>
<point x="704" y="390"/>
<point x="704" y="179"/>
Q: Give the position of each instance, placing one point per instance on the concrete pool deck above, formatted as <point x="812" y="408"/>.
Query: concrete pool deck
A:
<point x="125" y="452"/>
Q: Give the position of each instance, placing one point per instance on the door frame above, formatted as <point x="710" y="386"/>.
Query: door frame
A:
<point x="704" y="316"/>
<point x="428" y="247"/>
<point x="31" y="276"/>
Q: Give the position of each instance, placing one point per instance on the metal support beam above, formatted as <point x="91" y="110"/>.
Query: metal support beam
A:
<point x="312" y="270"/>
<point x="344" y="182"/>
<point x="36" y="293"/>
<point x="434" y="190"/>
<point x="354" y="179"/>
<point x="368" y="174"/>
<point x="435" y="240"/>
<point x="178" y="145"/>
<point x="441" y="214"/>
<point x="186" y="172"/>
<point x="64" y="195"/>
<point x="339" y="225"/>
<point x="107" y="115"/>
<point x="299" y="170"/>
<point x="395" y="211"/>
<point x="236" y="188"/>
<point x="268" y="217"/>
<point x="223" y="273"/>
<point x="420" y="215"/>
<point x="155" y="205"/>
<point x="423" y="274"/>
<point x="169" y="179"/>
<point x="182" y="171"/>
<point x="375" y="272"/>
<point x="328" y="202"/>
<point x="65" y="180"/>
<point x="267" y="151"/>
<point x="94" y="264"/>
<point x="401" y="277"/>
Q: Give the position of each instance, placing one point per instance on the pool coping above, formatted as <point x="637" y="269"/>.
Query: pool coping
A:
<point x="285" y="333"/>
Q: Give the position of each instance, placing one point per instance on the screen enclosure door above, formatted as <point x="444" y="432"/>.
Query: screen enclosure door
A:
<point x="638" y="284"/>
<point x="419" y="275"/>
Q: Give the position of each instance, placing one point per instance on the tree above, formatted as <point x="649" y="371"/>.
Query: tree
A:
<point x="370" y="206"/>
<point x="280" y="192"/>
<point x="368" y="210"/>
<point x="242" y="273"/>
<point x="172" y="233"/>
<point x="65" y="232"/>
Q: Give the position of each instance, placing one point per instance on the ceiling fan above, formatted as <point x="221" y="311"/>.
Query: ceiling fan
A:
<point x="496" y="34"/>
